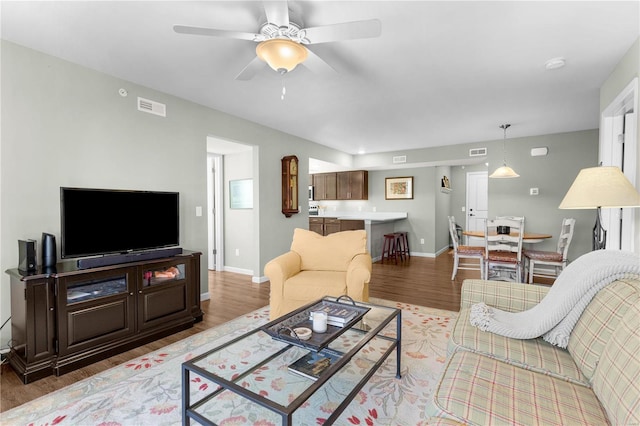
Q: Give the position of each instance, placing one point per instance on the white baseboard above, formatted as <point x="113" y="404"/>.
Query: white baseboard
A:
<point x="443" y="250"/>
<point x="238" y="270"/>
<point x="259" y="280"/>
<point x="205" y="296"/>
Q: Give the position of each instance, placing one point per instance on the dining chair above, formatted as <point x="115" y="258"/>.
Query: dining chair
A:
<point x="504" y="250"/>
<point x="549" y="264"/>
<point x="465" y="252"/>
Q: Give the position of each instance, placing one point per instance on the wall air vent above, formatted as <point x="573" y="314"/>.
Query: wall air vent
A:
<point x="152" y="107"/>
<point x="398" y="159"/>
<point x="477" y="152"/>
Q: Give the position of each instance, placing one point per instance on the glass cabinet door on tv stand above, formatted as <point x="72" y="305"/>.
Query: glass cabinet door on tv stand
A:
<point x="163" y="293"/>
<point x="95" y="308"/>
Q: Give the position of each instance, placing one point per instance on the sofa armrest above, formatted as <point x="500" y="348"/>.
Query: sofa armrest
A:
<point x="281" y="268"/>
<point x="358" y="277"/>
<point x="510" y="297"/>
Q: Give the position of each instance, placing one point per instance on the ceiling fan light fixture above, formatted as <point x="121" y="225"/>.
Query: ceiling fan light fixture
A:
<point x="281" y="54"/>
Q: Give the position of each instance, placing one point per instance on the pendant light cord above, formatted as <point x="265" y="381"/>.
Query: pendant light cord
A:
<point x="504" y="143"/>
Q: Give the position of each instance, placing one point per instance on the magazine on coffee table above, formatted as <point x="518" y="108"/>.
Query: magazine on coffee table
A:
<point x="313" y="364"/>
<point x="283" y="330"/>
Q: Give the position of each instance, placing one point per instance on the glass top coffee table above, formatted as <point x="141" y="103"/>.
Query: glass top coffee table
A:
<point x="251" y="376"/>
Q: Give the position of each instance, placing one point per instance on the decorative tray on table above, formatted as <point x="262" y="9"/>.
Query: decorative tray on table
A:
<point x="341" y="317"/>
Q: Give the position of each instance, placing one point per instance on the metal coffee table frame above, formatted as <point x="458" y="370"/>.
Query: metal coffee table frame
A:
<point x="286" y="412"/>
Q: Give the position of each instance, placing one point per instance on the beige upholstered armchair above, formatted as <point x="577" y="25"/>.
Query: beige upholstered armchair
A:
<point x="319" y="266"/>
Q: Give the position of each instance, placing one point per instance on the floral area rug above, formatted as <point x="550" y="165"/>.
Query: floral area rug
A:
<point x="147" y="390"/>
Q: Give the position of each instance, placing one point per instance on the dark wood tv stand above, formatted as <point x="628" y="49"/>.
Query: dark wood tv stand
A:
<point x="64" y="318"/>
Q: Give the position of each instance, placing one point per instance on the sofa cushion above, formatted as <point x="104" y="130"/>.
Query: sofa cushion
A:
<point x="476" y="389"/>
<point x="328" y="253"/>
<point x="617" y="377"/>
<point x="311" y="285"/>
<point x="533" y="354"/>
<point x="594" y="329"/>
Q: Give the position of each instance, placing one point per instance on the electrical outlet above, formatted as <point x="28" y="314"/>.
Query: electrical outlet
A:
<point x="237" y="252"/>
<point x="533" y="191"/>
<point x="373" y="209"/>
<point x="421" y="240"/>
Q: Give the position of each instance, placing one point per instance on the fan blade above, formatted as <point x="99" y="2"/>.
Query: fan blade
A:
<point x="181" y="29"/>
<point x="318" y="65"/>
<point x="251" y="69"/>
<point x="277" y="12"/>
<point x="345" y="31"/>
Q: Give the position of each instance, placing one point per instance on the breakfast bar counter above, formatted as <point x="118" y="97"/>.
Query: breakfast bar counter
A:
<point x="375" y="223"/>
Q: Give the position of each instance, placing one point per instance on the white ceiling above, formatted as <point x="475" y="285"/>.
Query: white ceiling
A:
<point x="441" y="72"/>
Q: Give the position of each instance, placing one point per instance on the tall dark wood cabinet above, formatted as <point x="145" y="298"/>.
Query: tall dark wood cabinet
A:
<point x="66" y="318"/>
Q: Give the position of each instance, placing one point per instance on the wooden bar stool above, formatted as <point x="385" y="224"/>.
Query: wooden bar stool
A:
<point x="402" y="244"/>
<point x="389" y="247"/>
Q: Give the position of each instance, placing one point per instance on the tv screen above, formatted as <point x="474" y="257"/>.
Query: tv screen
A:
<point x="102" y="221"/>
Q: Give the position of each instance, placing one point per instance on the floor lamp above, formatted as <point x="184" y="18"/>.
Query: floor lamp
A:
<point x="598" y="187"/>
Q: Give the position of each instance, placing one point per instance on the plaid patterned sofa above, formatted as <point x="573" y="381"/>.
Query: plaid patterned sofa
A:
<point x="495" y="380"/>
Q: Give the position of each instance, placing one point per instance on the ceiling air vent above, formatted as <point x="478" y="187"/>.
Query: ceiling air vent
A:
<point x="477" y="152"/>
<point x="152" y="107"/>
<point x="398" y="159"/>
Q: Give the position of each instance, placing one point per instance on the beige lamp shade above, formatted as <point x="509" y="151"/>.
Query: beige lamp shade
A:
<point x="504" y="172"/>
<point x="281" y="54"/>
<point x="600" y="187"/>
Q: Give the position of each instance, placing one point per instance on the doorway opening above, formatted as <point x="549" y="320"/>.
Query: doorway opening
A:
<point x="619" y="147"/>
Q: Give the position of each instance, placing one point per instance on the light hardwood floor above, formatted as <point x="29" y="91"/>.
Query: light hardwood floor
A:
<point x="420" y="281"/>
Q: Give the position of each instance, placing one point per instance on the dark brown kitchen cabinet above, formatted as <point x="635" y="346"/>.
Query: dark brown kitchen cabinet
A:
<point x="316" y="224"/>
<point x="329" y="225"/>
<point x="324" y="186"/>
<point x="66" y="318"/>
<point x="353" y="185"/>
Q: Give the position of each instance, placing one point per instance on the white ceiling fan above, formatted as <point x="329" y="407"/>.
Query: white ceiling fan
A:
<point x="282" y="42"/>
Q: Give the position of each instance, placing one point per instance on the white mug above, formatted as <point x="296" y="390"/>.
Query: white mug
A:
<point x="319" y="322"/>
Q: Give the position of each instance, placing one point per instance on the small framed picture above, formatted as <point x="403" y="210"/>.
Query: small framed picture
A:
<point x="398" y="188"/>
<point x="444" y="182"/>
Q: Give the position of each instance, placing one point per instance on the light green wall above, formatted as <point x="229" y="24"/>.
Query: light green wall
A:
<point x="238" y="223"/>
<point x="421" y="220"/>
<point x="626" y="70"/>
<point x="552" y="175"/>
<point x="442" y="209"/>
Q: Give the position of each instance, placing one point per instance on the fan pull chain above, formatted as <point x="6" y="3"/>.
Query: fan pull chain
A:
<point x="284" y="90"/>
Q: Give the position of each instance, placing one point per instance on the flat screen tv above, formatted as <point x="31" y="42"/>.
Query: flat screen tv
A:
<point x="104" y="221"/>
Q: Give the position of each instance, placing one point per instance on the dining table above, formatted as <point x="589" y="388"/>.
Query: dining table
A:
<point x="528" y="237"/>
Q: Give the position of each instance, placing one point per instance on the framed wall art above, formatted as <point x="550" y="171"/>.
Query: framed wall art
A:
<point x="398" y="188"/>
<point x="241" y="194"/>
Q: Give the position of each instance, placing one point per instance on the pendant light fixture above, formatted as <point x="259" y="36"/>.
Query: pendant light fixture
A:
<point x="505" y="171"/>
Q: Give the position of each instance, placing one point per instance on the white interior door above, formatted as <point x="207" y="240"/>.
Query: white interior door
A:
<point x="477" y="203"/>
<point x="214" y="208"/>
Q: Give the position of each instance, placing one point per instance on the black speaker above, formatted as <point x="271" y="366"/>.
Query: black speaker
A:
<point x="27" y="255"/>
<point x="49" y="256"/>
